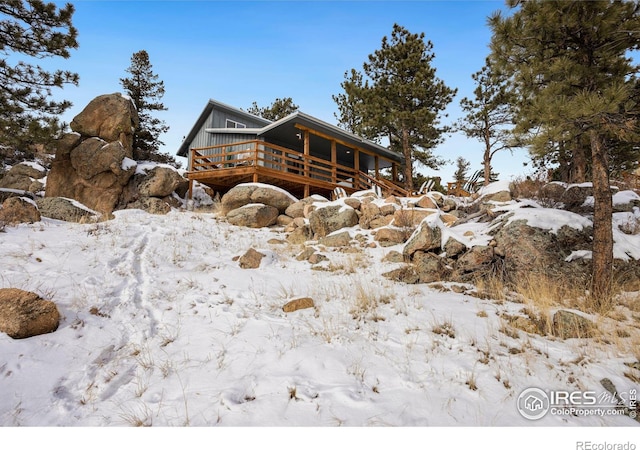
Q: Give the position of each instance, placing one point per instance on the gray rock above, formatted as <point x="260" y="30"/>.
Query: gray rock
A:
<point x="62" y="209"/>
<point x="152" y="205"/>
<point x="454" y="248"/>
<point x="567" y="324"/>
<point x="429" y="267"/>
<point x="324" y="221"/>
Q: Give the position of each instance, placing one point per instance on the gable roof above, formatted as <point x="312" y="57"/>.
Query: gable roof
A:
<point x="283" y="126"/>
<point x="206" y="112"/>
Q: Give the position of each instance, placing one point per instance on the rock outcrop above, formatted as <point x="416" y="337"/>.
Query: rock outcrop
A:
<point x="94" y="164"/>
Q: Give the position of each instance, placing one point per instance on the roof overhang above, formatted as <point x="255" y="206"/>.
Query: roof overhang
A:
<point x="209" y="107"/>
<point x="304" y="121"/>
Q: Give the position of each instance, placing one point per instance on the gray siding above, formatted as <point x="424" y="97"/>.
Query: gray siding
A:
<point x="218" y="119"/>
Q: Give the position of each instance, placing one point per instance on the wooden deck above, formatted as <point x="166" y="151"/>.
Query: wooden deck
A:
<point x="223" y="166"/>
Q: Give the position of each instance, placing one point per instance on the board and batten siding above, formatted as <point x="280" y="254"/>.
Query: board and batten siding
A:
<point x="218" y="119"/>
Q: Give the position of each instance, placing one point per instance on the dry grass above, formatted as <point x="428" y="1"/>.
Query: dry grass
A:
<point x="527" y="187"/>
<point x="492" y="287"/>
<point x="445" y="328"/>
<point x="366" y="301"/>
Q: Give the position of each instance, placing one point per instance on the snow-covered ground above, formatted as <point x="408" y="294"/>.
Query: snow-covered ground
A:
<point x="162" y="327"/>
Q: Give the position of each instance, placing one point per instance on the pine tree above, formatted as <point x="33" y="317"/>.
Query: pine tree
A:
<point x="568" y="64"/>
<point x="398" y="97"/>
<point x="488" y="116"/>
<point x="146" y="93"/>
<point x="281" y="107"/>
<point x="462" y="170"/>
<point x="34" y="30"/>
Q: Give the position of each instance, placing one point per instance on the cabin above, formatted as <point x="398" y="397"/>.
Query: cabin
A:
<point x="299" y="153"/>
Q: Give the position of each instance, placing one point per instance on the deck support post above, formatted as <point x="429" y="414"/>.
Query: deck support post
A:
<point x="307" y="191"/>
<point x="356" y="167"/>
<point x="334" y="161"/>
<point x="377" y="163"/>
<point x="394" y="171"/>
<point x="307" y="152"/>
<point x="190" y="194"/>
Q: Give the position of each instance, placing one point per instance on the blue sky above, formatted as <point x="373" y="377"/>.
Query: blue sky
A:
<point x="238" y="52"/>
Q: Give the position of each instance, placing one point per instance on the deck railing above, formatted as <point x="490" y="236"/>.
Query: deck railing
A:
<point x="292" y="164"/>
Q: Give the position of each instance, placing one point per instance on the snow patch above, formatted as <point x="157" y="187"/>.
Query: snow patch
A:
<point x="128" y="163"/>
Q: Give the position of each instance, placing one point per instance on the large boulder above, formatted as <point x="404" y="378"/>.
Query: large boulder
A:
<point x="410" y="218"/>
<point x="93" y="164"/>
<point x="575" y="195"/>
<point x="111" y="117"/>
<point x="341" y="239"/>
<point x="297" y="209"/>
<point x="429" y="267"/>
<point x="16" y="210"/>
<point x="160" y="182"/>
<point x="326" y="220"/>
<point x="388" y="236"/>
<point x="527" y="249"/>
<point x="244" y="194"/>
<point x="253" y="216"/>
<point x="426" y="239"/>
<point x="95" y="156"/>
<point x="24" y="314"/>
<point x="94" y="173"/>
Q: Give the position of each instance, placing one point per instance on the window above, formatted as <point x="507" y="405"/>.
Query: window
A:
<point x="233" y="124"/>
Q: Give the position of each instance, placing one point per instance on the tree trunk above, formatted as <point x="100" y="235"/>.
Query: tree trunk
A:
<point x="408" y="164"/>
<point x="579" y="162"/>
<point x="602" y="263"/>
<point x="487" y="166"/>
<point x="487" y="155"/>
